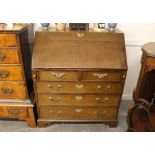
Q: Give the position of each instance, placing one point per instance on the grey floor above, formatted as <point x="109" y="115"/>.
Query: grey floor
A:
<point x="21" y="126"/>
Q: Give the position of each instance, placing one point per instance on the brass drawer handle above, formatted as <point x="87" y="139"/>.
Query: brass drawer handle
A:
<point x="4" y="74"/>
<point x="80" y="35"/>
<point x="100" y="76"/>
<point x="79" y="86"/>
<point x="99" y="100"/>
<point x="55" y="99"/>
<point x="50" y="86"/>
<point x="2" y="56"/>
<point x="108" y="87"/>
<point x="100" y="113"/>
<point x="7" y="91"/>
<point x="14" y="111"/>
<point x="54" y="112"/>
<point x="79" y="98"/>
<point x="78" y="110"/>
<point x="58" y="75"/>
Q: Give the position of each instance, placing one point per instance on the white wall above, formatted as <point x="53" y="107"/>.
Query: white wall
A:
<point x="135" y="36"/>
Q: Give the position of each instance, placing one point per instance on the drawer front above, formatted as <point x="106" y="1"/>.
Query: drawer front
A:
<point x="102" y="76"/>
<point x="8" y="40"/>
<point x="78" y="113"/>
<point x="11" y="73"/>
<point x="58" y="76"/>
<point x="78" y="99"/>
<point x="9" y="56"/>
<point x="13" y="112"/>
<point x="12" y="90"/>
<point x="66" y="87"/>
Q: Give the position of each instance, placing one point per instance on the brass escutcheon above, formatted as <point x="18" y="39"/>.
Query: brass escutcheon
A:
<point x="80" y="35"/>
<point x="78" y="110"/>
<point x="79" y="98"/>
<point x="79" y="86"/>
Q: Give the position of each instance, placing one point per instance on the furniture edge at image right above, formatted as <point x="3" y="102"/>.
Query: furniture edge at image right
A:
<point x="141" y="117"/>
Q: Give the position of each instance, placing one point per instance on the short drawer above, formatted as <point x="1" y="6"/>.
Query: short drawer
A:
<point x="8" y="40"/>
<point x="70" y="87"/>
<point x="78" y="99"/>
<point x="58" y="76"/>
<point x="13" y="112"/>
<point x="12" y="90"/>
<point x="11" y="73"/>
<point x="9" y="56"/>
<point x="78" y="113"/>
<point x="102" y="76"/>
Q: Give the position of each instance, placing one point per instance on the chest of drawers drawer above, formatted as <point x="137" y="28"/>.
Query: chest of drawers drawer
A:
<point x="12" y="90"/>
<point x="77" y="113"/>
<point x="78" y="99"/>
<point x="9" y="56"/>
<point x="58" y="76"/>
<point x="8" y="40"/>
<point x="13" y="112"/>
<point x="72" y="87"/>
<point x="10" y="73"/>
<point x="101" y="76"/>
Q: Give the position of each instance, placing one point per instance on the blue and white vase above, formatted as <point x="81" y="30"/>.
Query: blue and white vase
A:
<point x="44" y="25"/>
<point x="112" y="26"/>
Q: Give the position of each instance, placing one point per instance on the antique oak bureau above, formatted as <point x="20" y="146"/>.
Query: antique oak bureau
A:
<point x="16" y="99"/>
<point x="78" y="75"/>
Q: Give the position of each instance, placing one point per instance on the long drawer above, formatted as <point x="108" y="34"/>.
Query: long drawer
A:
<point x="72" y="87"/>
<point x="11" y="73"/>
<point x="12" y="90"/>
<point x="8" y="40"/>
<point x="13" y="112"/>
<point x="9" y="56"/>
<point x="78" y="99"/>
<point x="78" y="113"/>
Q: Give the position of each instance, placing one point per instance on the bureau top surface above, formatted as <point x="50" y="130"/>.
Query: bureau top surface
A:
<point x="78" y="50"/>
<point x="149" y="49"/>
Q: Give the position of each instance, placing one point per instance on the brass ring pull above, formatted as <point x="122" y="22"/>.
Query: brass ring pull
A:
<point x="58" y="75"/>
<point x="100" y="76"/>
<point x="2" y="56"/>
<point x="4" y="74"/>
<point x="80" y="35"/>
<point x="7" y="91"/>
